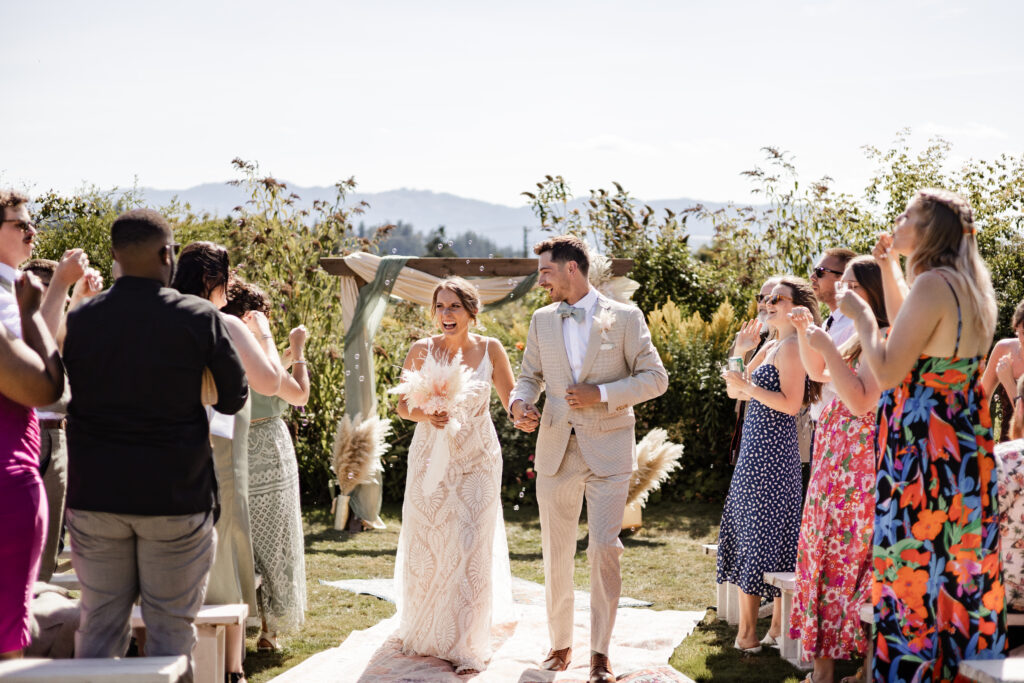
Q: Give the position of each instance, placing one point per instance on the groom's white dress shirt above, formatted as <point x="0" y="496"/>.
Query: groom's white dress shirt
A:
<point x="576" y="335"/>
<point x="10" y="316"/>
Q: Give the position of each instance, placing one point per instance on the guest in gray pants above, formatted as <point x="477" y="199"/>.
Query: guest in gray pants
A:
<point x="142" y="496"/>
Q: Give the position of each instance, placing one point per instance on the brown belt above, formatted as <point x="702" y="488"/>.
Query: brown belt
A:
<point x="53" y="424"/>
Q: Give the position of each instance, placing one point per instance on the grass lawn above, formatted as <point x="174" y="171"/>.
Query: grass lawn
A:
<point x="663" y="563"/>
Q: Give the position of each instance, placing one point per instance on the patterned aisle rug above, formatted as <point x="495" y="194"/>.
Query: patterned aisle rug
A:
<point x="642" y="643"/>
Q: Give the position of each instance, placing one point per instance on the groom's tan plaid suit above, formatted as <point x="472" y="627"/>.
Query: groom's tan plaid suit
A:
<point x="588" y="451"/>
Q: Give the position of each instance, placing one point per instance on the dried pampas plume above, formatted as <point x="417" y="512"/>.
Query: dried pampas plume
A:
<point x="656" y="457"/>
<point x="358" y="447"/>
<point x="615" y="288"/>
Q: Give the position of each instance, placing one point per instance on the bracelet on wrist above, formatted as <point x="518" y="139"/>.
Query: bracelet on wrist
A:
<point x="298" y="362"/>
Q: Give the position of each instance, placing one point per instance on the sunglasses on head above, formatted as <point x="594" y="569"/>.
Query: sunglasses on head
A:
<point x="820" y="271"/>
<point x="776" y="298"/>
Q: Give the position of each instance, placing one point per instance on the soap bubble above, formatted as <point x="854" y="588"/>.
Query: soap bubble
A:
<point x="469" y="241"/>
<point x="361" y="378"/>
<point x="394" y="251"/>
<point x="357" y="356"/>
<point x="481" y="269"/>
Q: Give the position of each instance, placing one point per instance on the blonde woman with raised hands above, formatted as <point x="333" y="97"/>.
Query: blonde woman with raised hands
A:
<point x="938" y="592"/>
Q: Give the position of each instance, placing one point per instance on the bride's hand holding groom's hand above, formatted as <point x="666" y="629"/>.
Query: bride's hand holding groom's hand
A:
<point x="525" y="416"/>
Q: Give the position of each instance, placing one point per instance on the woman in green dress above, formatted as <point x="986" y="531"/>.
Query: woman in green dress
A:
<point x="274" y="512"/>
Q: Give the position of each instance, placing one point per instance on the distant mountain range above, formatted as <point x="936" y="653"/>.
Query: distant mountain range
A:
<point x="423" y="209"/>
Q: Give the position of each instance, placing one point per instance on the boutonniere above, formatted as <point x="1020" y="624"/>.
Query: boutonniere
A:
<point x="604" y="321"/>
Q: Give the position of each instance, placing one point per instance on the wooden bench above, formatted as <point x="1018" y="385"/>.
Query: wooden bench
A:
<point x="727" y="604"/>
<point x="1009" y="670"/>
<point x="210" y="651"/>
<point x="786" y="582"/>
<point x="131" y="670"/>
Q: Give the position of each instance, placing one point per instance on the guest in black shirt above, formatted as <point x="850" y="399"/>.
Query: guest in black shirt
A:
<point x="141" y="488"/>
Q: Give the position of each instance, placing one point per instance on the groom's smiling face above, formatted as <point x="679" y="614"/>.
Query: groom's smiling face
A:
<point x="554" y="276"/>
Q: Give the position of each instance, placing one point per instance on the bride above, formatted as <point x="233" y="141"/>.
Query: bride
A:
<point x="452" y="568"/>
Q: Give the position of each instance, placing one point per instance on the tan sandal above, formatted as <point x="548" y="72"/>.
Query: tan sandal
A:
<point x="267" y="642"/>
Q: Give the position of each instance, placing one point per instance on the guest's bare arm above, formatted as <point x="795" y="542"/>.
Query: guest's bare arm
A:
<point x="295" y="386"/>
<point x="790" y="397"/>
<point x="858" y="390"/>
<point x="413" y="362"/>
<point x="263" y="376"/>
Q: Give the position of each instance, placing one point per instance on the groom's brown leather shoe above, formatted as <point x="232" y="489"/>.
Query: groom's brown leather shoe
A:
<point x="558" y="660"/>
<point x="600" y="669"/>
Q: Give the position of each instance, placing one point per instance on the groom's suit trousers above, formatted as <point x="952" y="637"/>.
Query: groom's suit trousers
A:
<point x="560" y="498"/>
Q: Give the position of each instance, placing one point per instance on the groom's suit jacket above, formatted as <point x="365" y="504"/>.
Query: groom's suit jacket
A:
<point x="622" y="358"/>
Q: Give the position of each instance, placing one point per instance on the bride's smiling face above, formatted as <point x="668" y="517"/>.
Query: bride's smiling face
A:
<point x="450" y="314"/>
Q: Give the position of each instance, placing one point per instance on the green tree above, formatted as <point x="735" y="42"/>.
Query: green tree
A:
<point x="438" y="244"/>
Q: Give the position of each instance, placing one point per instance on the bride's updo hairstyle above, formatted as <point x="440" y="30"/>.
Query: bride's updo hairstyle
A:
<point x="469" y="295"/>
<point x="947" y="241"/>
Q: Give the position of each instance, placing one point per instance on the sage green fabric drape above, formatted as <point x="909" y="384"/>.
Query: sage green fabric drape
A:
<point x="519" y="292"/>
<point x="360" y="389"/>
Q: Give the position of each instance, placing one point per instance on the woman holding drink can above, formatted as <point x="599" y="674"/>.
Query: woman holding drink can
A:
<point x="761" y="519"/>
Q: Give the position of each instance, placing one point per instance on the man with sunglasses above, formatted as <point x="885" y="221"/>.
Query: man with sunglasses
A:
<point x="824" y="276"/>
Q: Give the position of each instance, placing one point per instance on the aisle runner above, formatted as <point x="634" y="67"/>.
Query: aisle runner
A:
<point x="642" y="643"/>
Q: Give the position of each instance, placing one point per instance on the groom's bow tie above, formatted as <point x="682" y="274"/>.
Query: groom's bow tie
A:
<point x="574" y="312"/>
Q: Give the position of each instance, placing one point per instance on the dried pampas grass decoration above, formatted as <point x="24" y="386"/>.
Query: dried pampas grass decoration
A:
<point x="358" y="447"/>
<point x="615" y="288"/>
<point x="656" y="457"/>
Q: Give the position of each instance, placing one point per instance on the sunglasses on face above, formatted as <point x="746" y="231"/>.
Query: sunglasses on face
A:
<point x="761" y="298"/>
<point x="774" y="299"/>
<point x="24" y="226"/>
<point x="819" y="271"/>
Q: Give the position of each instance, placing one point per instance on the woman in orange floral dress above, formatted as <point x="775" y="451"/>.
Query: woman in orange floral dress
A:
<point x="938" y="589"/>
<point x="833" y="571"/>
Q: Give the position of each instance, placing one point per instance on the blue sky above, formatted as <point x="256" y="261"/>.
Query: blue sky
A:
<point x="482" y="99"/>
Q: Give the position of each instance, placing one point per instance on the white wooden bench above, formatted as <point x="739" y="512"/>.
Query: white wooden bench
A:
<point x="1009" y="670"/>
<point x="210" y="651"/>
<point x="786" y="582"/>
<point x="130" y="670"/>
<point x="727" y="604"/>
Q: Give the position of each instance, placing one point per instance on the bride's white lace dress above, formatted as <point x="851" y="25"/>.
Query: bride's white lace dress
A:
<point x="452" y="568"/>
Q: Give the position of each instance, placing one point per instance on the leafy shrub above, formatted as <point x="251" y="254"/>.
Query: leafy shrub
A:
<point x="695" y="409"/>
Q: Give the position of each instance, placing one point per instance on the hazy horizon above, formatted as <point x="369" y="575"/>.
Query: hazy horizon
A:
<point x="481" y="101"/>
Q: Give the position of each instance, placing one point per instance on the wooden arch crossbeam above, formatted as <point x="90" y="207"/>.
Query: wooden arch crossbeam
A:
<point x="464" y="267"/>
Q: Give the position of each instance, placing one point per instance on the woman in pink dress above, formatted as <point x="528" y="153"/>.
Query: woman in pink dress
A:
<point x="834" y="553"/>
<point x="30" y="375"/>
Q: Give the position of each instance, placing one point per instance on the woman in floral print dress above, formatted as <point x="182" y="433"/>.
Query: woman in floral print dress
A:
<point x="833" y="570"/>
<point x="938" y="590"/>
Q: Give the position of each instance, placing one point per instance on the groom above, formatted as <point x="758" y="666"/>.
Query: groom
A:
<point x="595" y="358"/>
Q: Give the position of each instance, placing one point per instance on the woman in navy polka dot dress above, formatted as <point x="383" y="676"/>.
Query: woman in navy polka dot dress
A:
<point x="761" y="520"/>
